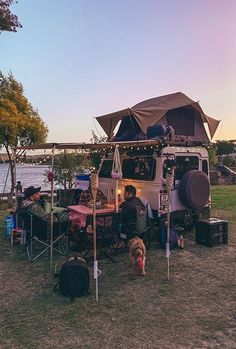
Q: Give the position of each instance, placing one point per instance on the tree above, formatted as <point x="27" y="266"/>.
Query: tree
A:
<point x="66" y="166"/>
<point x="20" y="123"/>
<point x="8" y="21"/>
<point x="95" y="156"/>
<point x="97" y="139"/>
<point x="228" y="161"/>
<point x="212" y="154"/>
<point x="225" y="147"/>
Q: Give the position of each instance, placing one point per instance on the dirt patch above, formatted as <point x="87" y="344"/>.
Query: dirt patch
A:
<point x="194" y="309"/>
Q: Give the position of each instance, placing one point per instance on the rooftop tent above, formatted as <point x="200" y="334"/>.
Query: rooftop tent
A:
<point x="176" y="110"/>
<point x="129" y="130"/>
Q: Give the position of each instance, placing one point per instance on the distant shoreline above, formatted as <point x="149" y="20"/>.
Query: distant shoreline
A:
<point x="28" y="174"/>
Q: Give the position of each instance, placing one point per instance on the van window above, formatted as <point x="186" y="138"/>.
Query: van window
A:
<point x="183" y="165"/>
<point x="205" y="166"/>
<point x="139" y="169"/>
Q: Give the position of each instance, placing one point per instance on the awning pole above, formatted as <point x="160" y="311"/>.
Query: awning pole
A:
<point x="94" y="188"/>
<point x="52" y="208"/>
<point x="169" y="184"/>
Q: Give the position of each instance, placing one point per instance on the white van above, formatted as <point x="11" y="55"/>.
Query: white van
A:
<point x="145" y="167"/>
<point x="179" y="126"/>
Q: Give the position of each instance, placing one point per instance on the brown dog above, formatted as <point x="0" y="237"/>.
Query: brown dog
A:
<point x="137" y="252"/>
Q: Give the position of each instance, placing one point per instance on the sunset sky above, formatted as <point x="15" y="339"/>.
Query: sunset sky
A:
<point x="79" y="59"/>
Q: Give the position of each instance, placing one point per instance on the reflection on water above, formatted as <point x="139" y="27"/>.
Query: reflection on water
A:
<point x="27" y="174"/>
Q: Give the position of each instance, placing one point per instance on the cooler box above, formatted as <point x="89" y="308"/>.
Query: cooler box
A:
<point x="82" y="181"/>
<point x="212" y="232"/>
<point x="18" y="236"/>
<point x="9" y="224"/>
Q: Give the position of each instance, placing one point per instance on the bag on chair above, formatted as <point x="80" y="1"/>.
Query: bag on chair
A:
<point x="74" y="278"/>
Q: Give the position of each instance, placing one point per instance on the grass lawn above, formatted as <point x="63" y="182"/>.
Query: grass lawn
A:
<point x="195" y="309"/>
<point x="224" y="197"/>
<point x="224" y="201"/>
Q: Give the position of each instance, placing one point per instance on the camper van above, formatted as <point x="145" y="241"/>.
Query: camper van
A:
<point x="146" y="167"/>
<point x="159" y="136"/>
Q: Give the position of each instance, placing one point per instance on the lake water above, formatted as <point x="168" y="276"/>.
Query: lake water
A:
<point x="27" y="174"/>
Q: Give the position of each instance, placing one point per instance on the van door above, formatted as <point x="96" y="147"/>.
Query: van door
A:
<point x="184" y="162"/>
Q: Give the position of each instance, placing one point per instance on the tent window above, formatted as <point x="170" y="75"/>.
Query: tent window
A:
<point x="183" y="165"/>
<point x="182" y="120"/>
<point x="139" y="169"/>
<point x="128" y="130"/>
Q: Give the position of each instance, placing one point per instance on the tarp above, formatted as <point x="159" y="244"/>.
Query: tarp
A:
<point x="176" y="110"/>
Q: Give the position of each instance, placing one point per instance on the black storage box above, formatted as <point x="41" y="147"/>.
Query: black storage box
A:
<point x="212" y="232"/>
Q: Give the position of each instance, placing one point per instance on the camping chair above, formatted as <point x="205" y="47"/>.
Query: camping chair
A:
<point x="139" y="228"/>
<point x="105" y="232"/>
<point x="143" y="228"/>
<point x="38" y="236"/>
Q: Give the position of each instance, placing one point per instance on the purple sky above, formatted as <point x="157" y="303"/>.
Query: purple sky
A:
<point x="79" y="59"/>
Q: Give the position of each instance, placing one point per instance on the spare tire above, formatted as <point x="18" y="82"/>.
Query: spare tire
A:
<point x="194" y="189"/>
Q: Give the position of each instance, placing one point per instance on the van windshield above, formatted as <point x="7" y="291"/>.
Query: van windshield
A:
<point x="138" y="168"/>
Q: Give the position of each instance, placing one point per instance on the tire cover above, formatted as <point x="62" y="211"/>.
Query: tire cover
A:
<point x="194" y="189"/>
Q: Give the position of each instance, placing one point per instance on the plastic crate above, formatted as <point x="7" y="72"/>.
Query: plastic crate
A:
<point x="212" y="232"/>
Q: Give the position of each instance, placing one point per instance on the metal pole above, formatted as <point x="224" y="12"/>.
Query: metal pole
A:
<point x="169" y="184"/>
<point x="116" y="174"/>
<point x="8" y="170"/>
<point x="14" y="167"/>
<point x="52" y="209"/>
<point x="94" y="188"/>
<point x="117" y="203"/>
<point x="95" y="249"/>
<point x="168" y="234"/>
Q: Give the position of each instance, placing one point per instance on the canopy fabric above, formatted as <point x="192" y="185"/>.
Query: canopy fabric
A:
<point x="212" y="124"/>
<point x="87" y="146"/>
<point x="150" y="112"/>
<point x="109" y="121"/>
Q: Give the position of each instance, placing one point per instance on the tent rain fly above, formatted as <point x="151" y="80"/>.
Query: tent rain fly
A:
<point x="172" y="110"/>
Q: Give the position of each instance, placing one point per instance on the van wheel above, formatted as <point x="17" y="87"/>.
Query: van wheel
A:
<point x="194" y="189"/>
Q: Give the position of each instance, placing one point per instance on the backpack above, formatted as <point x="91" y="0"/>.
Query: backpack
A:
<point x="74" y="278"/>
<point x="173" y="237"/>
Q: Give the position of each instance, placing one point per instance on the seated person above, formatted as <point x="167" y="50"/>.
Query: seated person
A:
<point x="86" y="197"/>
<point x="31" y="205"/>
<point x="128" y="214"/>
